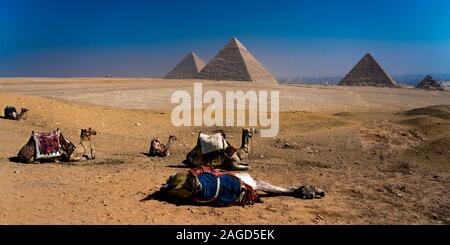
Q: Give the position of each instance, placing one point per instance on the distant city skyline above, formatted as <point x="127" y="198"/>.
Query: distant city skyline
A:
<point x="290" y="38"/>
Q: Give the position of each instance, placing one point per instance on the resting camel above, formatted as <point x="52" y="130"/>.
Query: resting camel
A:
<point x="221" y="188"/>
<point x="214" y="150"/>
<point x="54" y="146"/>
<point x="84" y="149"/>
<point x="246" y="143"/>
<point x="11" y="113"/>
<point x="161" y="150"/>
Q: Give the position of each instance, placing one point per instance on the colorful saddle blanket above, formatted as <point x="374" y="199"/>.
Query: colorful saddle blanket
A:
<point x="47" y="144"/>
<point x="221" y="188"/>
<point x="205" y="185"/>
<point x="225" y="190"/>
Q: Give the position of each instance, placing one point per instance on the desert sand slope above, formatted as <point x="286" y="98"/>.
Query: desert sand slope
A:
<point x="378" y="165"/>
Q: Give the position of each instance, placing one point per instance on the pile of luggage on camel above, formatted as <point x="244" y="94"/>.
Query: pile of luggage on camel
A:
<point x="219" y="175"/>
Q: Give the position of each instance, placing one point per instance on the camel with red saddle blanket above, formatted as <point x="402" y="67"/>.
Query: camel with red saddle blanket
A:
<point x="53" y="146"/>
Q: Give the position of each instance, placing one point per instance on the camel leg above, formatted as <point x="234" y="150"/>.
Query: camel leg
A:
<point x="78" y="154"/>
<point x="76" y="158"/>
<point x="92" y="157"/>
<point x="84" y="153"/>
<point x="264" y="186"/>
<point x="269" y="188"/>
<point x="235" y="163"/>
<point x="242" y="154"/>
<point x="22" y="116"/>
<point x="238" y="159"/>
<point x="238" y="166"/>
<point x="92" y="154"/>
<point x="304" y="192"/>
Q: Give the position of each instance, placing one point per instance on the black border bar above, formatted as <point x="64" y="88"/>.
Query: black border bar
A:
<point x="217" y="233"/>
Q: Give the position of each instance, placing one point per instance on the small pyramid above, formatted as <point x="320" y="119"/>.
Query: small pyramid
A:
<point x="368" y="73"/>
<point x="188" y="68"/>
<point x="235" y="63"/>
<point x="429" y="83"/>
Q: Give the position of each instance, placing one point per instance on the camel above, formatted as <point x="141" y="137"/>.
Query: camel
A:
<point x="11" y="113"/>
<point x="83" y="151"/>
<point x="161" y="150"/>
<point x="214" y="150"/>
<point x="244" y="151"/>
<point x="210" y="186"/>
<point x="57" y="147"/>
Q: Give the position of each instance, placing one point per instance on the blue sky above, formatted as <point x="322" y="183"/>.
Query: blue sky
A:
<point x="147" y="38"/>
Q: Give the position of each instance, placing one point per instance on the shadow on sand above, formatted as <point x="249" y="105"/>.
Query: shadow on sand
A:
<point x="15" y="160"/>
<point x="162" y="197"/>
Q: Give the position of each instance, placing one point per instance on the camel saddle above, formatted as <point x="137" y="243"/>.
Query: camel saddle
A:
<point x="212" y="143"/>
<point x="8" y="111"/>
<point x="210" y="186"/>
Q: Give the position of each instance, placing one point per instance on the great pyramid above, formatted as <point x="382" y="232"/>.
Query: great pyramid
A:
<point x="429" y="83"/>
<point x="188" y="68"/>
<point x="235" y="63"/>
<point x="368" y="73"/>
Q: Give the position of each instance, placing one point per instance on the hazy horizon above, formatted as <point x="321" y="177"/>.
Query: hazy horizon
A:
<point x="290" y="38"/>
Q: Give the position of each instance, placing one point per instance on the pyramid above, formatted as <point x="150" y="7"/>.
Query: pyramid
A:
<point x="368" y="73"/>
<point x="429" y="83"/>
<point x="188" y="68"/>
<point x="235" y="63"/>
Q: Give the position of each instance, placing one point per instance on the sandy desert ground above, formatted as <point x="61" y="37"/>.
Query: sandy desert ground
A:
<point x="378" y="161"/>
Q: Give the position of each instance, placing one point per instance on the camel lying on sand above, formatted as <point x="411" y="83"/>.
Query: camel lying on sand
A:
<point x="11" y="113"/>
<point x="161" y="150"/>
<point x="84" y="150"/>
<point x="214" y="150"/>
<point x="216" y="187"/>
<point x="53" y="146"/>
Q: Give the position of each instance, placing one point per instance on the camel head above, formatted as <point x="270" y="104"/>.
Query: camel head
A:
<point x="24" y="109"/>
<point x="87" y="133"/>
<point x="249" y="132"/>
<point x="173" y="137"/>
